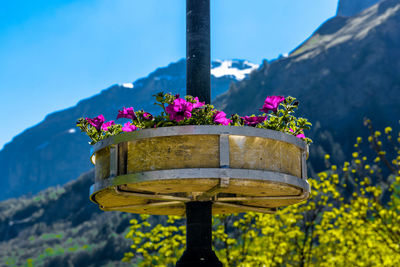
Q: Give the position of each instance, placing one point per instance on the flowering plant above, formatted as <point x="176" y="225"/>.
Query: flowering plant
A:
<point x="176" y="111"/>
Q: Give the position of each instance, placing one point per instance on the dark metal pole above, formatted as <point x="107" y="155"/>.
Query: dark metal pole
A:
<point x="198" y="59"/>
<point x="198" y="237"/>
<point x="198" y="214"/>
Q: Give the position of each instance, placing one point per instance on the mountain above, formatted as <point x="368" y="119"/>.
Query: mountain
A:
<point x="348" y="69"/>
<point x="54" y="152"/>
<point x="353" y="7"/>
<point x="60" y="227"/>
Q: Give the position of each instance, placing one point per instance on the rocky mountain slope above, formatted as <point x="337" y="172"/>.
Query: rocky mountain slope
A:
<point x="348" y="69"/>
<point x="353" y="7"/>
<point x="60" y="227"/>
<point x="54" y="152"/>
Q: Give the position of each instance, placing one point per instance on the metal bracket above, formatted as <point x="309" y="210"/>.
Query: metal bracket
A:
<point x="247" y="208"/>
<point x="208" y="195"/>
<point x="224" y="182"/>
<point x="113" y="160"/>
<point x="122" y="192"/>
<point x="224" y="151"/>
<point x="303" y="196"/>
<point x="304" y="165"/>
<point x="142" y="206"/>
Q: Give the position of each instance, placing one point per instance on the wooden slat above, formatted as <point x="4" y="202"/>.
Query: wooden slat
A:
<point x="173" y="152"/>
<point x="264" y="154"/>
<point x="190" y="187"/>
<point x="122" y="158"/>
<point x="102" y="167"/>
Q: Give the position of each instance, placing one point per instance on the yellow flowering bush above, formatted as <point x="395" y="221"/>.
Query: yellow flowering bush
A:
<point x="351" y="219"/>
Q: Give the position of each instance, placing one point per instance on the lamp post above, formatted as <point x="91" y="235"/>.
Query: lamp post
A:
<point x="198" y="49"/>
<point x="198" y="214"/>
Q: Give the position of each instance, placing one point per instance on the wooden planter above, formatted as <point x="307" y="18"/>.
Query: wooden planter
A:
<point x="155" y="171"/>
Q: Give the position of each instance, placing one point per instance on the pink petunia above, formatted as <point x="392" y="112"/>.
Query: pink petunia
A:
<point x="272" y="103"/>
<point x="179" y="110"/>
<point x="96" y="122"/>
<point x="147" y="116"/>
<point x="220" y="117"/>
<point x="106" y="125"/>
<point x="300" y="135"/>
<point x="253" y="121"/>
<point x="128" y="127"/>
<point x="127" y="113"/>
<point x="198" y="104"/>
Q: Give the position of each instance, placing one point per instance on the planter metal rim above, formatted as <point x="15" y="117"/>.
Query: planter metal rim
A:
<point x="200" y="130"/>
<point x="198" y="173"/>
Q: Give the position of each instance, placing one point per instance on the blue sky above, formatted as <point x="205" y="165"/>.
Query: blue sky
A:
<point x="55" y="53"/>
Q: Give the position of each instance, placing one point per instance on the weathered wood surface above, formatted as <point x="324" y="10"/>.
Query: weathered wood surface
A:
<point x="102" y="167"/>
<point x="200" y="151"/>
<point x="173" y="152"/>
<point x="257" y="153"/>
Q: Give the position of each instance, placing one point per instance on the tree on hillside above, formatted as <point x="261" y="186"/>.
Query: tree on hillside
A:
<point x="351" y="219"/>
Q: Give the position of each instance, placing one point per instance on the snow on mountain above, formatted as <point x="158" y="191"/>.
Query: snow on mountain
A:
<point x="238" y="69"/>
<point x="127" y="85"/>
<point x="55" y="152"/>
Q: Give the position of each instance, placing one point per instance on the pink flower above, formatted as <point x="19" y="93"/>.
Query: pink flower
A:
<point x="128" y="127"/>
<point x="252" y="121"/>
<point x="96" y="122"/>
<point x="127" y="113"/>
<point x="300" y="135"/>
<point x="105" y="126"/>
<point x="220" y="117"/>
<point x="198" y="104"/>
<point x="272" y="103"/>
<point x="179" y="110"/>
<point x="147" y="116"/>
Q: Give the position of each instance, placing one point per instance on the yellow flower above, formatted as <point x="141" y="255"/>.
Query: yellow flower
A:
<point x="377" y="133"/>
<point x="327" y="156"/>
<point x="359" y="139"/>
<point x="388" y="130"/>
<point x="355" y="155"/>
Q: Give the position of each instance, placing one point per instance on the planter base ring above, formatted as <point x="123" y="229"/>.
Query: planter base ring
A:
<point x="231" y="190"/>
